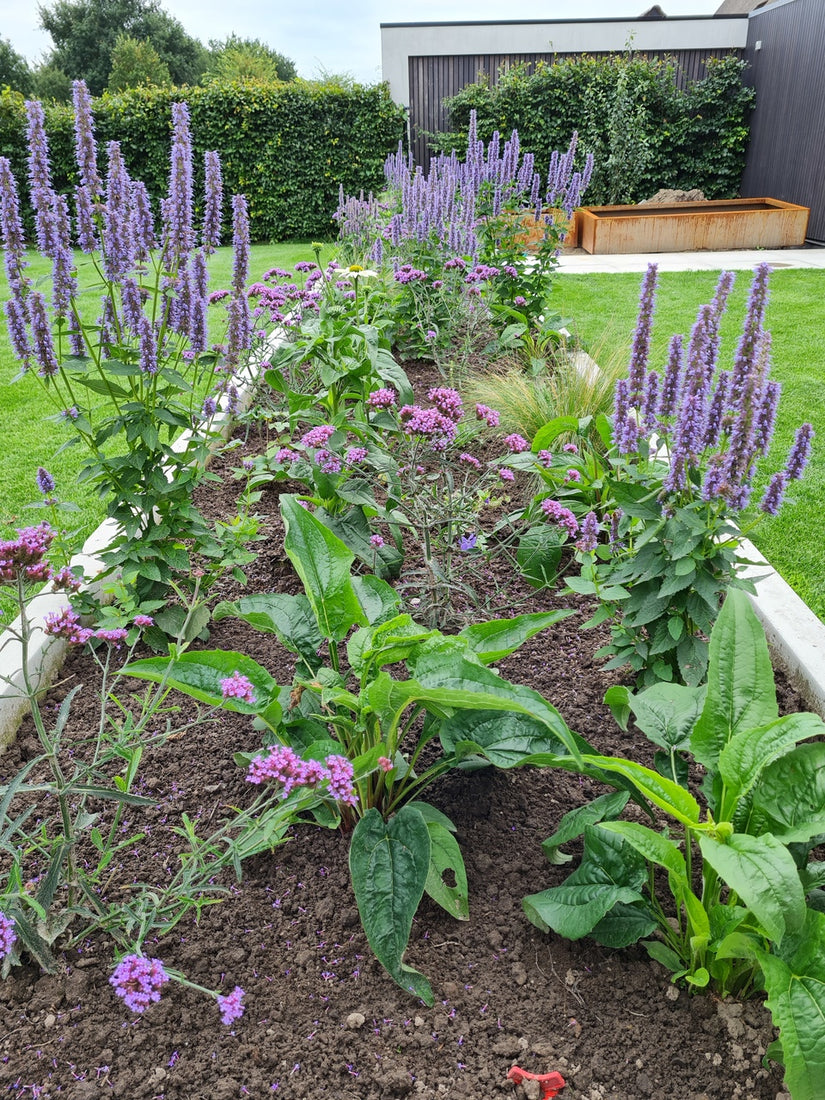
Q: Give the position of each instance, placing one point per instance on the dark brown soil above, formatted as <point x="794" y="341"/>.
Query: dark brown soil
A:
<point x="322" y="1017"/>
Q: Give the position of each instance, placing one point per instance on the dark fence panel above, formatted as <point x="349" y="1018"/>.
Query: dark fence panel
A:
<point x="786" y="155"/>
<point x="434" y="79"/>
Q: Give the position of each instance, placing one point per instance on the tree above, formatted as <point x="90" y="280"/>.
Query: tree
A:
<point x="50" y="82"/>
<point x="136" y="62"/>
<point x="85" y="32"/>
<point x="14" y="69"/>
<point x="247" y="59"/>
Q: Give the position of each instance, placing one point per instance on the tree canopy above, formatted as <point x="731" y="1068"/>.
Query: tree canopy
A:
<point x="14" y="69"/>
<point x="237" y="58"/>
<point x="85" y="33"/>
<point x="136" y="62"/>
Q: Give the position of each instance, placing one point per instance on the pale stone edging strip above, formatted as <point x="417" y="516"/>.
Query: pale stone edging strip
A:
<point x="46" y="653"/>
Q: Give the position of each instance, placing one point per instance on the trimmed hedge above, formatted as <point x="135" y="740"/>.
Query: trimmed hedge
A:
<point x="644" y="132"/>
<point x="287" y="147"/>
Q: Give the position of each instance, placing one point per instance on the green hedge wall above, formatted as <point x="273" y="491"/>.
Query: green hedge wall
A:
<point x="644" y="132"/>
<point x="287" y="147"/>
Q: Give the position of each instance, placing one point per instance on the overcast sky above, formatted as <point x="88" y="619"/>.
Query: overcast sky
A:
<point x="336" y="36"/>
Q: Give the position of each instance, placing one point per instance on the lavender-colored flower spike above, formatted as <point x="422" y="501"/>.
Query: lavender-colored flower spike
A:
<point x="17" y="321"/>
<point x="746" y="351"/>
<point x="143" y="226"/>
<point x="14" y="246"/>
<point x="87" y="238"/>
<point x="766" y="417"/>
<point x="716" y="410"/>
<point x="621" y="405"/>
<point x="148" y="347"/>
<point x="240" y="243"/>
<point x="800" y="452"/>
<point x="42" y="336"/>
<point x="671" y="380"/>
<point x="64" y="283"/>
<point x="641" y="338"/>
<point x="177" y="207"/>
<point x="117" y="222"/>
<point x="85" y="147"/>
<point x="212" y="213"/>
<point x="772" y="500"/>
<point x="40" y="175"/>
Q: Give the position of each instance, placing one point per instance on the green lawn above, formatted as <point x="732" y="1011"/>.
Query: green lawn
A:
<point x="30" y="440"/>
<point x="601" y="309"/>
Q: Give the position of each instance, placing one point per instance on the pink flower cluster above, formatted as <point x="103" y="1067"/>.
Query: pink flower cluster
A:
<point x="66" y="624"/>
<point x="431" y="423"/>
<point x="561" y="515"/>
<point x="238" y="687"/>
<point x="516" y="444"/>
<point x="317" y="436"/>
<point x="491" y="416"/>
<point x="230" y="1006"/>
<point x="381" y="399"/>
<point x="447" y="401"/>
<point x="283" y="765"/>
<point x="138" y="981"/>
<point x="24" y="555"/>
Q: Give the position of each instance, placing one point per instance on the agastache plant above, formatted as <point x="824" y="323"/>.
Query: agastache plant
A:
<point x="469" y="210"/>
<point x="146" y="352"/>
<point x="686" y="445"/>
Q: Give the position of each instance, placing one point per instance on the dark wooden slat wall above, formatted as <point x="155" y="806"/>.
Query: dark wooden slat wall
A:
<point x="786" y="154"/>
<point x="434" y="79"/>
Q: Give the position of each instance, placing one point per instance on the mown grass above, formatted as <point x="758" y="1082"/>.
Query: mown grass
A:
<point x="601" y="310"/>
<point x="31" y="440"/>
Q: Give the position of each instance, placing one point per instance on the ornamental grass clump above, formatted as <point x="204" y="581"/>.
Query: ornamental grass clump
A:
<point x="685" y="444"/>
<point x="130" y="379"/>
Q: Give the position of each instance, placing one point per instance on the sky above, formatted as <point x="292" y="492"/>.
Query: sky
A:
<point x="336" y="36"/>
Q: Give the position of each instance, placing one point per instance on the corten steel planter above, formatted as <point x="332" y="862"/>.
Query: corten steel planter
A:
<point x="716" y="224"/>
<point x="533" y="231"/>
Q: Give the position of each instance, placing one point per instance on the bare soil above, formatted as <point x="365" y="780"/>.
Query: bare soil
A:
<point x="322" y="1018"/>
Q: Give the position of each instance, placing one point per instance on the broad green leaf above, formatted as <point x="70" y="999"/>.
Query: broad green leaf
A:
<point x="650" y="845"/>
<point x="547" y="435"/>
<point x="389" y="864"/>
<point x="572" y="825"/>
<point x="291" y="618"/>
<point x="610" y="872"/>
<point x="618" y="699"/>
<point x="503" y="739"/>
<point x="378" y="599"/>
<point x="323" y="563"/>
<point x="740" y="691"/>
<point x="539" y="553"/>
<point x="493" y="640"/>
<point x="762" y="872"/>
<point x="795" y="982"/>
<point x="666" y="713"/>
<point x="792" y="792"/>
<point x="751" y="750"/>
<point x="199" y="674"/>
<point x="623" y="925"/>
<point x="662" y="792"/>
<point x="446" y="860"/>
<point x="663" y="954"/>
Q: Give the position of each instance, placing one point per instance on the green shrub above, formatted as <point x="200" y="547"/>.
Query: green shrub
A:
<point x="288" y="148"/>
<point x="644" y="132"/>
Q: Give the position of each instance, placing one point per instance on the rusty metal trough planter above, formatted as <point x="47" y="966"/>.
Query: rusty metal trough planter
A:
<point x="533" y="231"/>
<point x="717" y="224"/>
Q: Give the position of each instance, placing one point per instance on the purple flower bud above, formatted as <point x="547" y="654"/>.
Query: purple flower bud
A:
<point x="45" y="481"/>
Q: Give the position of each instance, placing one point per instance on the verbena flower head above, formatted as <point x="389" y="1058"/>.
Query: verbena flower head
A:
<point x="383" y="398"/>
<point x="557" y="513"/>
<point x="488" y="415"/>
<point x="516" y="443"/>
<point x="376" y="541"/>
<point x="25" y="555"/>
<point x="447" y="401"/>
<point x="317" y="436"/>
<point x="230" y="1007"/>
<point x="238" y="687"/>
<point x="138" y="981"/>
<point x="8" y="937"/>
<point x="66" y="624"/>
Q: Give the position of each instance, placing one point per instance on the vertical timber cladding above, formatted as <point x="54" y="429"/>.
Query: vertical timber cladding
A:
<point x="786" y="154"/>
<point x="434" y="79"/>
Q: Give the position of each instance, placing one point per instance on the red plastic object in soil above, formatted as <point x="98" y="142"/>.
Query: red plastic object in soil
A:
<point x="551" y="1083"/>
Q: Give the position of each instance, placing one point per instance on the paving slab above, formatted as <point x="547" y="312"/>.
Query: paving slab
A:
<point x="576" y="261"/>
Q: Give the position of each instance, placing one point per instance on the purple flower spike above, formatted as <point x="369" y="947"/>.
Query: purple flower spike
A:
<point x="800" y="452"/>
<point x="7" y="934"/>
<point x="213" y="186"/>
<point x="45" y="481"/>
<point x="230" y="1007"/>
<point x="85" y="147"/>
<point x="138" y="981"/>
<point x="589" y="533"/>
<point x="641" y="338"/>
<point x="772" y="500"/>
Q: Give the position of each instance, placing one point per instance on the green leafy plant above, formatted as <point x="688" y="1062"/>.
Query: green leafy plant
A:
<point x="743" y="873"/>
<point x="684" y="445"/>
<point x="382" y="724"/>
